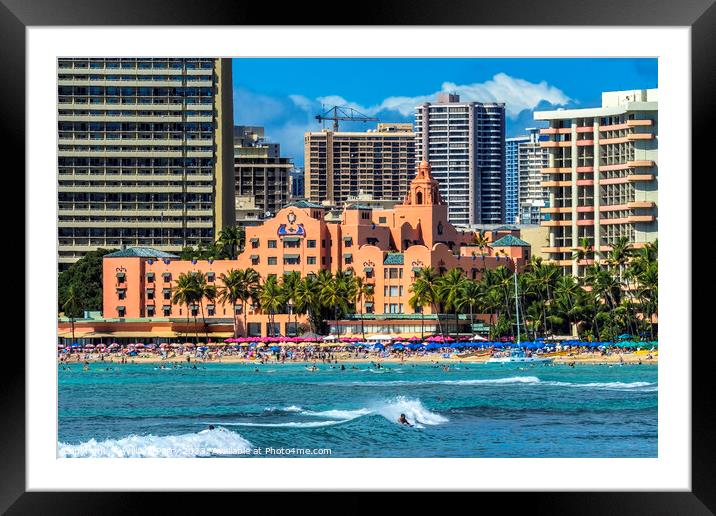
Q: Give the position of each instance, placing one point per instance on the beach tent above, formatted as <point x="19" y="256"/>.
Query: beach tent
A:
<point x="378" y="338"/>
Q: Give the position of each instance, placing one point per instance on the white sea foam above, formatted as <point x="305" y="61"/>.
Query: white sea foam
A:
<point x="207" y="443"/>
<point x="292" y="424"/>
<point x="512" y="380"/>
<point x="607" y="385"/>
<point x="414" y="410"/>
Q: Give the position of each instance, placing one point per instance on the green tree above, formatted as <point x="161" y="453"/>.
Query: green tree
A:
<point x="425" y="287"/>
<point x="85" y="276"/>
<point x="72" y="307"/>
<point x="451" y="286"/>
<point x="272" y="300"/>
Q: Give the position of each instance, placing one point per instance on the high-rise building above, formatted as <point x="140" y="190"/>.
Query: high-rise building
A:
<point x="465" y="143"/>
<point x="532" y="197"/>
<point x="524" y="195"/>
<point x="144" y="153"/>
<point x="512" y="178"/>
<point x="261" y="172"/>
<point x="378" y="162"/>
<point x="602" y="175"/>
<point x="297" y="182"/>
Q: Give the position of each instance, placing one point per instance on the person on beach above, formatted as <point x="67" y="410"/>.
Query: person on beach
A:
<point x="403" y="420"/>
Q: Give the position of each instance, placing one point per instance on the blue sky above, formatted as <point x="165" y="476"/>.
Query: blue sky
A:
<point x="284" y="95"/>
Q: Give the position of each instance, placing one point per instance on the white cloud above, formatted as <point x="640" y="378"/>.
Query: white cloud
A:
<point x="517" y="94"/>
<point x="302" y="102"/>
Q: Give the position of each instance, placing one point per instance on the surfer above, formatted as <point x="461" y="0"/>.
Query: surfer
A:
<point x="403" y="420"/>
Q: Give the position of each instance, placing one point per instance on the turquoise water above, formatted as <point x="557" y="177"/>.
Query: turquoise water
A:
<point x="473" y="410"/>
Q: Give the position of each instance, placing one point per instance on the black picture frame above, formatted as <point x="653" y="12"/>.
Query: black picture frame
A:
<point x="700" y="15"/>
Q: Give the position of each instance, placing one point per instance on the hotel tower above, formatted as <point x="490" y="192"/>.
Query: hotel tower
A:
<point x="145" y="153"/>
<point x="602" y="175"/>
<point x="465" y="144"/>
<point x="343" y="165"/>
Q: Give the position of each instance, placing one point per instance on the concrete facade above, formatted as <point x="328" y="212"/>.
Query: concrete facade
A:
<point x="378" y="162"/>
<point x="602" y="175"/>
<point x="144" y="153"/>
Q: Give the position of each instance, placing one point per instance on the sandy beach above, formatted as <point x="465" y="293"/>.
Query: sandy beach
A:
<point x="643" y="356"/>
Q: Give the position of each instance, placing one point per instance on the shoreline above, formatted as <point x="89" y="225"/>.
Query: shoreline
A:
<point x="338" y="358"/>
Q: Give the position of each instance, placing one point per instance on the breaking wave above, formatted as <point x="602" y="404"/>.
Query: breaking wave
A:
<point x="206" y="443"/>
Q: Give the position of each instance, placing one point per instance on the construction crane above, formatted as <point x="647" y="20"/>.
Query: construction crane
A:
<point x="345" y="114"/>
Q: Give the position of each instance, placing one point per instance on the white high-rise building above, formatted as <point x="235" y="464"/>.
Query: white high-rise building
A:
<point x="465" y="145"/>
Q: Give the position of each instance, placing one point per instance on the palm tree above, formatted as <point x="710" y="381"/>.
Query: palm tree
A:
<point x="229" y="241"/>
<point x="184" y="292"/>
<point x="425" y="286"/>
<point x="204" y="291"/>
<point x="418" y="301"/>
<point x="334" y="294"/>
<point x="230" y="292"/>
<point x="359" y="291"/>
<point x="450" y="289"/>
<point x="306" y="299"/>
<point x="250" y="282"/>
<point x="289" y="284"/>
<point x="622" y="251"/>
<point x="471" y="297"/>
<point x="481" y="242"/>
<point x="72" y="306"/>
<point x="271" y="299"/>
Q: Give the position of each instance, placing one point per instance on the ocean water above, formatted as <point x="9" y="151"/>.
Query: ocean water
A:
<point x="473" y="410"/>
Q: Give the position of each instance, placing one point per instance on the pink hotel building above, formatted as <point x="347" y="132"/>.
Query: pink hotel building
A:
<point x="384" y="247"/>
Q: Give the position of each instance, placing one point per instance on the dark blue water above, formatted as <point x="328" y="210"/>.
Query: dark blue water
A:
<point x="474" y="410"/>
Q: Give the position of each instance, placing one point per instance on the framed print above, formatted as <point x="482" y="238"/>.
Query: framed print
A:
<point x="416" y="252"/>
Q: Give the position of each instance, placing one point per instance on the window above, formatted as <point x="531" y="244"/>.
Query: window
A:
<point x="311" y="260"/>
<point x="121" y="311"/>
<point x="167" y="293"/>
<point x="194" y="310"/>
<point x="273" y="329"/>
<point x="382" y="220"/>
<point x="150" y="310"/>
<point x="348" y="258"/>
<point x="272" y="244"/>
<point x="167" y="276"/>
<point x="323" y="243"/>
<point x="393" y="308"/>
<point x="150" y="277"/>
<point x="272" y="260"/>
<point x="254" y="329"/>
<point x="121" y="293"/>
<point x="121" y="277"/>
<point x="392" y="273"/>
<point x="150" y="293"/>
<point x="255" y="243"/>
<point x="210" y="310"/>
<point x="255" y="259"/>
<point x="167" y="309"/>
<point x="238" y="309"/>
<point x="210" y="276"/>
<point x="291" y="259"/>
<point x="311" y="244"/>
<point x="291" y="329"/>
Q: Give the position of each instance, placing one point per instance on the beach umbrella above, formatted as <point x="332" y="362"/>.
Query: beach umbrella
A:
<point x="399" y="347"/>
<point x="275" y="348"/>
